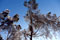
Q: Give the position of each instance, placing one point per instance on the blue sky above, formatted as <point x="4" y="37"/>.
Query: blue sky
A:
<point x="16" y="6"/>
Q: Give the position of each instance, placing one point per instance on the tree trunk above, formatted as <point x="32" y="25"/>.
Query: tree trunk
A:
<point x="31" y="33"/>
<point x="31" y="28"/>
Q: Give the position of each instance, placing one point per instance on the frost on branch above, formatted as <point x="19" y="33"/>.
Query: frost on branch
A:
<point x="7" y="23"/>
<point x="42" y="24"/>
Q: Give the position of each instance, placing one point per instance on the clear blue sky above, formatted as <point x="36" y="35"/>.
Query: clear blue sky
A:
<point x="16" y="6"/>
